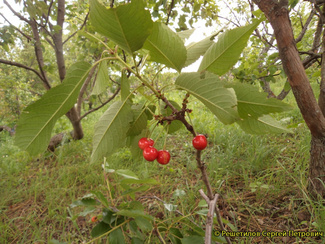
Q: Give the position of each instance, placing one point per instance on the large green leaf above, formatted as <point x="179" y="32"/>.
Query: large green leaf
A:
<point x="128" y="25"/>
<point x="102" y="79"/>
<point x="197" y="49"/>
<point x="100" y="229"/>
<point x="110" y="130"/>
<point x="210" y="91"/>
<point x="221" y="56"/>
<point x="166" y="47"/>
<point x="253" y="103"/>
<point x="139" y="120"/>
<point x="262" y="125"/>
<point x="116" y="237"/>
<point x="37" y="120"/>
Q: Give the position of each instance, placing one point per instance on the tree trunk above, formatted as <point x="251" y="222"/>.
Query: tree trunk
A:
<point x="317" y="167"/>
<point x="278" y="14"/>
<point x="73" y="116"/>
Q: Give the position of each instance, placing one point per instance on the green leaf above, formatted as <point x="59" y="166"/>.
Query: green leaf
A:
<point x="263" y="125"/>
<point x="175" y="236"/>
<point x="125" y="87"/>
<point x="110" y="130"/>
<point x="127" y="25"/>
<point x="210" y="91"/>
<point x="134" y="214"/>
<point x="101" y="198"/>
<point x="166" y="47"/>
<point x="126" y="173"/>
<point x="224" y="54"/>
<point x="143" y="224"/>
<point x="132" y="143"/>
<point x="100" y="229"/>
<point x="102" y="79"/>
<point x="136" y="240"/>
<point x="38" y="119"/>
<point x="109" y="216"/>
<point x="253" y="103"/>
<point x="193" y="240"/>
<point x="116" y="237"/>
<point x="139" y="120"/>
<point x="185" y="34"/>
<point x="197" y="49"/>
<point x="131" y="191"/>
<point x="84" y="202"/>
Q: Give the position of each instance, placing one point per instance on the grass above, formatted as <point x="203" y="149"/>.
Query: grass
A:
<point x="261" y="180"/>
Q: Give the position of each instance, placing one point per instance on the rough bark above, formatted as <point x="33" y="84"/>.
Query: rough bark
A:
<point x="55" y="142"/>
<point x="278" y="15"/>
<point x="317" y="167"/>
<point x="58" y="41"/>
<point x="73" y="116"/>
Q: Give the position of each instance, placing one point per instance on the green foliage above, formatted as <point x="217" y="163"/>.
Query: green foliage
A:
<point x="37" y="120"/>
<point x="127" y="25"/>
<point x="166" y="47"/>
<point x="262" y="125"/>
<point x="102" y="79"/>
<point x="211" y="92"/>
<point x="221" y="56"/>
<point x="197" y="49"/>
<point x="253" y="103"/>
<point x="110" y="130"/>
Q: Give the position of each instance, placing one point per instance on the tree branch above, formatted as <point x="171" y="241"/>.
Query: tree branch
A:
<point x="81" y="27"/>
<point x="17" y="29"/>
<point x="170" y="11"/>
<point x="39" y="54"/>
<point x="305" y="27"/>
<point x="83" y="89"/>
<point x="277" y="14"/>
<point x="16" y="13"/>
<point x="21" y="66"/>
<point x="57" y="39"/>
<point x="102" y="105"/>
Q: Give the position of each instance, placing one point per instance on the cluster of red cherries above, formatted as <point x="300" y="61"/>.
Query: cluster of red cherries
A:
<point x="151" y="154"/>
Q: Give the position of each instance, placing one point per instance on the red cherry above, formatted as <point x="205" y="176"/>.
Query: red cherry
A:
<point x="200" y="142"/>
<point x="94" y="219"/>
<point x="145" y="142"/>
<point x="150" y="153"/>
<point x="163" y="157"/>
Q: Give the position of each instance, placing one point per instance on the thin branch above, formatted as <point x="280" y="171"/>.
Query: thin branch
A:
<point x="170" y="11"/>
<point x="81" y="27"/>
<point x="16" y="13"/>
<point x="39" y="54"/>
<point x="17" y="29"/>
<point x="83" y="89"/>
<point x="102" y="105"/>
<point x="305" y="27"/>
<point x="209" y="222"/>
<point x="48" y="15"/>
<point x="22" y="66"/>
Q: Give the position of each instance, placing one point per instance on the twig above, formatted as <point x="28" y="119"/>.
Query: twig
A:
<point x="209" y="222"/>
<point x="81" y="27"/>
<point x="16" y="28"/>
<point x="102" y="105"/>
